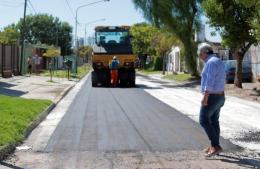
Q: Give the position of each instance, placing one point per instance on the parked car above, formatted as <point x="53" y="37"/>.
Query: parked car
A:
<point x="230" y="69"/>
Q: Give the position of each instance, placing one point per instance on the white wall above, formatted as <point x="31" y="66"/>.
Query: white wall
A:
<point x="254" y="55"/>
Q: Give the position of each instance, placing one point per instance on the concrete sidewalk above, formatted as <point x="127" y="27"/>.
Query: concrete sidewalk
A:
<point x="35" y="87"/>
<point x="239" y="118"/>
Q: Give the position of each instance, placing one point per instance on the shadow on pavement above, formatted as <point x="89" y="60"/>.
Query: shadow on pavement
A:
<point x="6" y="85"/>
<point x="158" y="81"/>
<point x="146" y="87"/>
<point x="241" y="161"/>
<point x="145" y="76"/>
<point x="4" y="90"/>
<point x="193" y="84"/>
<point x="9" y="165"/>
<point x="138" y="86"/>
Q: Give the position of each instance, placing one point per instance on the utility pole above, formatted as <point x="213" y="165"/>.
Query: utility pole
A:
<point x="23" y="37"/>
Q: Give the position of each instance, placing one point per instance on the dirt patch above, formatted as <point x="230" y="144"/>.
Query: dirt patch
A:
<point x="250" y="91"/>
<point x="251" y="136"/>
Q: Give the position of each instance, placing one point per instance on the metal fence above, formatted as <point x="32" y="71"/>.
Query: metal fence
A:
<point x="9" y="60"/>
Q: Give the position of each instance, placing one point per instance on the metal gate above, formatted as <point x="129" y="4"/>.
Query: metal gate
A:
<point x="9" y="60"/>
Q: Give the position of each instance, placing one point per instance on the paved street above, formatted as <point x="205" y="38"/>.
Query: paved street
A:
<point x="119" y="128"/>
<point x="239" y="118"/>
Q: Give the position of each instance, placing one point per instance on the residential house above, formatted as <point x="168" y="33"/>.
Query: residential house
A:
<point x="173" y="60"/>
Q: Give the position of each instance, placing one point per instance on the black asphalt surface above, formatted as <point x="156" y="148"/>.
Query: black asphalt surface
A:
<point x="125" y="120"/>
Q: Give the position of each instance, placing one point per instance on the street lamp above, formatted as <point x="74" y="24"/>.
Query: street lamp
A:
<point x="99" y="20"/>
<point x="76" y="26"/>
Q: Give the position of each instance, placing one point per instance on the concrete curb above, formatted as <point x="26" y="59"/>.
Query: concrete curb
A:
<point x="9" y="149"/>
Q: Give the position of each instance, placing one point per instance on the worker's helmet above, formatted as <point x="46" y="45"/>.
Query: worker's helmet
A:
<point x="114" y="58"/>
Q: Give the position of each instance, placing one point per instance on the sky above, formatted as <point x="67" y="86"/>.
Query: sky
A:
<point x="115" y="12"/>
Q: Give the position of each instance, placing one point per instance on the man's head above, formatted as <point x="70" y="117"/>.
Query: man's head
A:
<point x="204" y="50"/>
<point x="114" y="58"/>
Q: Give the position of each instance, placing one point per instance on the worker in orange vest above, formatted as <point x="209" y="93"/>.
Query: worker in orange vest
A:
<point x="114" y="71"/>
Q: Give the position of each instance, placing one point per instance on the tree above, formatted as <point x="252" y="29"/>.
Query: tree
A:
<point x="142" y="38"/>
<point x="85" y="52"/>
<point x="49" y="30"/>
<point x="51" y="53"/>
<point x="255" y="22"/>
<point x="181" y="17"/>
<point x="9" y="36"/>
<point x="162" y="43"/>
<point x="234" y="21"/>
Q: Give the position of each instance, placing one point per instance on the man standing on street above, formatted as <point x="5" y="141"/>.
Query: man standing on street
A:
<point x="29" y="65"/>
<point x="212" y="87"/>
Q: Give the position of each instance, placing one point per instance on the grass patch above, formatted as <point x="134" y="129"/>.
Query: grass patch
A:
<point x="56" y="73"/>
<point x="180" y="77"/>
<point x="150" y="71"/>
<point x="16" y="115"/>
<point x="82" y="71"/>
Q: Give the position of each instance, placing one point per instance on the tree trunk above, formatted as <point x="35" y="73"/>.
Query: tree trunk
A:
<point x="142" y="61"/>
<point x="164" y="66"/>
<point x="239" y="69"/>
<point x="190" y="58"/>
<point x="51" y="73"/>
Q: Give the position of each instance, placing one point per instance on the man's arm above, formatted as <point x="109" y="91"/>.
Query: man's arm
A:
<point x="209" y="82"/>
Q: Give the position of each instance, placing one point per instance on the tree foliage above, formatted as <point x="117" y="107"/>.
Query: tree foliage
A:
<point x="163" y="42"/>
<point x="142" y="38"/>
<point x="147" y="40"/>
<point x="9" y="36"/>
<point x="52" y="52"/>
<point x="49" y="30"/>
<point x="180" y="17"/>
<point x="85" y="51"/>
<point x="234" y="21"/>
<point x="255" y="21"/>
<point x="234" y="18"/>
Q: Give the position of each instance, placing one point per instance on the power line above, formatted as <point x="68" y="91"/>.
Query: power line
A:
<point x="32" y="6"/>
<point x="5" y="4"/>
<point x="30" y="9"/>
<point x="68" y="4"/>
<point x="10" y="2"/>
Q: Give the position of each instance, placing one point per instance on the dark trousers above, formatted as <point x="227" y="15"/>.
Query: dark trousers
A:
<point x="30" y="69"/>
<point x="209" y="117"/>
<point x="114" y="77"/>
